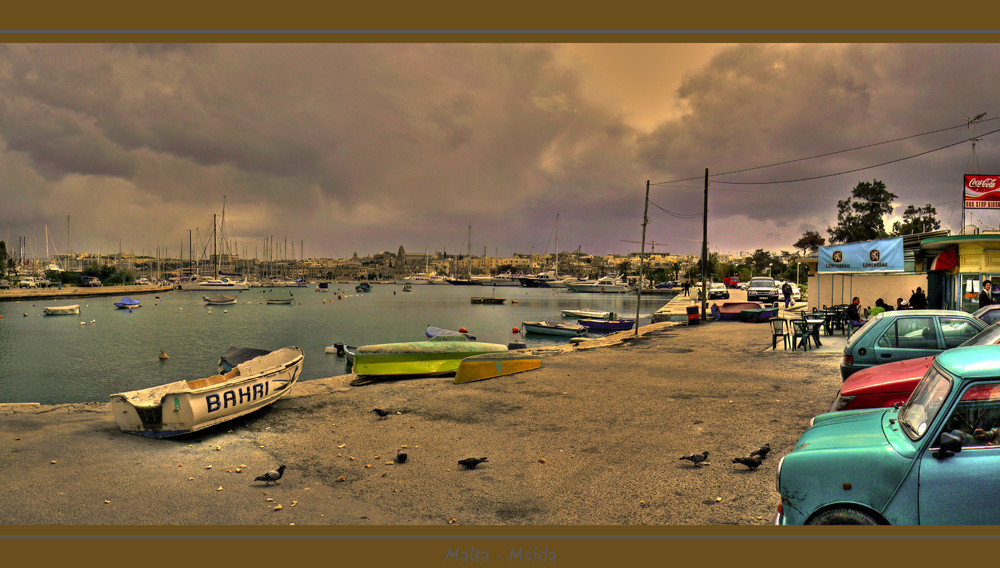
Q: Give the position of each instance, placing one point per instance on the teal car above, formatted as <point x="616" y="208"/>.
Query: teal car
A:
<point x="906" y="334"/>
<point x="934" y="460"/>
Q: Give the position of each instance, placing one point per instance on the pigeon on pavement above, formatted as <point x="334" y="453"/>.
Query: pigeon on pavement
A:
<point x="761" y="452"/>
<point x="752" y="463"/>
<point x="273" y="475"/>
<point x="471" y="463"/>
<point x="696" y="459"/>
<point x="381" y="413"/>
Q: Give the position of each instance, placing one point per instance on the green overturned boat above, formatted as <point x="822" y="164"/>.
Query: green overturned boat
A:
<point x="418" y="358"/>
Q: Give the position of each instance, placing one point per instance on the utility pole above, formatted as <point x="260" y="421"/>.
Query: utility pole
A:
<point x="704" y="254"/>
<point x="642" y="255"/>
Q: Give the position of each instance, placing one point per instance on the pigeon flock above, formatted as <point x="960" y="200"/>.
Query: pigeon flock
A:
<point x="752" y="460"/>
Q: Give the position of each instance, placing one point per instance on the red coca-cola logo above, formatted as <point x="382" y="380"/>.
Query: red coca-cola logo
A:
<point x="984" y="183"/>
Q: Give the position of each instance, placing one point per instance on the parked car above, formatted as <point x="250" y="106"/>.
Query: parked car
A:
<point x="27" y="282"/>
<point x="762" y="289"/>
<point x="906" y="334"/>
<point x="718" y="290"/>
<point x="91" y="281"/>
<point x="988" y="314"/>
<point x="666" y="285"/>
<point x="4" y="284"/>
<point x="891" y="383"/>
<point x="930" y="461"/>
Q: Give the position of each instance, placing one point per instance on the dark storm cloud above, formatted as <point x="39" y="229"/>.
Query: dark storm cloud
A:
<point x="365" y="147"/>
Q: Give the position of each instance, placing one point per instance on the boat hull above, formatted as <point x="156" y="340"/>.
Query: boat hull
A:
<point x="545" y="328"/>
<point x="730" y="311"/>
<point x="490" y="365"/>
<point x="587" y="314"/>
<point x="183" y="407"/>
<point x="424" y="358"/>
<point x="62" y="310"/>
<point x="607" y="325"/>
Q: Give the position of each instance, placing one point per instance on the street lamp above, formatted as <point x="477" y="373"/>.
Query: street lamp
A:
<point x="769" y="268"/>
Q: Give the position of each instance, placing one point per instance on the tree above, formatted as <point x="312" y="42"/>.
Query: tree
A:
<point x="917" y="220"/>
<point x="810" y="242"/>
<point x="861" y="217"/>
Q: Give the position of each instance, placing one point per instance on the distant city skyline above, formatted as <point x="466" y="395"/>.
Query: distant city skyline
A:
<point x="359" y="148"/>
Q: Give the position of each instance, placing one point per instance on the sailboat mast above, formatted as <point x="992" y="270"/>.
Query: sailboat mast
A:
<point x="557" y="245"/>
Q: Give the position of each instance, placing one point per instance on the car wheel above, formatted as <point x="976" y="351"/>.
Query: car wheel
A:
<point x="843" y="516"/>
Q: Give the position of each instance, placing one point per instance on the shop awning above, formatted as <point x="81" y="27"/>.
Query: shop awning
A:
<point x="947" y="260"/>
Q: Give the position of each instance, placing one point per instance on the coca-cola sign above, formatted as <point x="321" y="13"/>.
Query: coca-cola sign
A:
<point x="981" y="191"/>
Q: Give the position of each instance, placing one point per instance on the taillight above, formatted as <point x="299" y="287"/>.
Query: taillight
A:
<point x="848" y="360"/>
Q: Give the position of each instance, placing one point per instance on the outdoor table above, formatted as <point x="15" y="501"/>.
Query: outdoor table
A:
<point x="814" y="325"/>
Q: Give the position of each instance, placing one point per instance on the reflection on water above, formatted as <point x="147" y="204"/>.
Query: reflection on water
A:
<point x="58" y="359"/>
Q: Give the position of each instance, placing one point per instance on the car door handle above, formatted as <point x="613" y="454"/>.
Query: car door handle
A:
<point x="887" y="355"/>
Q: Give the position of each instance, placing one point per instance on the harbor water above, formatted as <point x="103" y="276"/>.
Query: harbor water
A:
<point x="105" y="350"/>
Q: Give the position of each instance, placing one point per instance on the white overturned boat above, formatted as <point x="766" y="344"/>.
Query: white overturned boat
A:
<point x="546" y="328"/>
<point x="62" y="310"/>
<point x="587" y="313"/>
<point x="182" y="407"/>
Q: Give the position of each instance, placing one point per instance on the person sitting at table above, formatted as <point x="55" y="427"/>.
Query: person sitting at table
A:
<point x="879" y="308"/>
<point x="853" y="315"/>
<point x="901" y="304"/>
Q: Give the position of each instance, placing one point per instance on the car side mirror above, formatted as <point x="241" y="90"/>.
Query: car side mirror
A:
<point x="950" y="444"/>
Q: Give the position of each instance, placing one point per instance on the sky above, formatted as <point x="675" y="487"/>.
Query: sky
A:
<point x="346" y="148"/>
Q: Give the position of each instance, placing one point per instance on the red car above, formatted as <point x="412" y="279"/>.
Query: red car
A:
<point x="885" y="385"/>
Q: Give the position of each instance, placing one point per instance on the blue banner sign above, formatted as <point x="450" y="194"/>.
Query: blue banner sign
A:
<point x="884" y="255"/>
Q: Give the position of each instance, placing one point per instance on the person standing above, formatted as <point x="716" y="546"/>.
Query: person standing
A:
<point x="986" y="296"/>
<point x="786" y="290"/>
<point x="918" y="301"/>
<point x="687" y="288"/>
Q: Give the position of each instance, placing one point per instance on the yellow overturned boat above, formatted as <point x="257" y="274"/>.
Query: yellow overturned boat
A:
<point x="439" y="356"/>
<point x="489" y="365"/>
<point x="182" y="407"/>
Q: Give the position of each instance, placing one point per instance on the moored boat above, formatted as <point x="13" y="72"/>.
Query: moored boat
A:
<point x="607" y="325"/>
<point x="546" y="328"/>
<point x="280" y="300"/>
<point x="489" y="365"/>
<point x="587" y="313"/>
<point x="219" y="299"/>
<point x="62" y="310"/>
<point x="477" y="300"/>
<point x="363" y="287"/>
<point x="127" y="303"/>
<point x="417" y="358"/>
<point x="605" y="285"/>
<point x="434" y="332"/>
<point x="207" y="284"/>
<point x="185" y="406"/>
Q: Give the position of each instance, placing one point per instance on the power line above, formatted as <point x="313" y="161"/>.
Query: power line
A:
<point x="826" y="154"/>
<point x="856" y="169"/>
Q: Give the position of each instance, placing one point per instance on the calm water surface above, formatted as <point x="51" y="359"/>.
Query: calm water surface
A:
<point x="55" y="359"/>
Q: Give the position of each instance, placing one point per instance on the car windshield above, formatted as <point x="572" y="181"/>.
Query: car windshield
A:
<point x="988" y="336"/>
<point x="761" y="282"/>
<point x="924" y="403"/>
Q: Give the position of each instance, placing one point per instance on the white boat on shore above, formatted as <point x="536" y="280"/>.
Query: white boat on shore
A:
<point x="182" y="407"/>
<point x="62" y="310"/>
